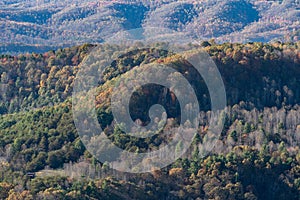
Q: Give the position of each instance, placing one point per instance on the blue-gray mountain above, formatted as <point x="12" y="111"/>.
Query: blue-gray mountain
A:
<point x="39" y="25"/>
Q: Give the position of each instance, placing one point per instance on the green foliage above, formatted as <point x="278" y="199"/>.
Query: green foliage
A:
<point x="260" y="74"/>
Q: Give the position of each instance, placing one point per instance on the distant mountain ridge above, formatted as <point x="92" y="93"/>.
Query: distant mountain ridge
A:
<point x="52" y="23"/>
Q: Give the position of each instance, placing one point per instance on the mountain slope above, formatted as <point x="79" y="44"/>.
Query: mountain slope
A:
<point x="257" y="155"/>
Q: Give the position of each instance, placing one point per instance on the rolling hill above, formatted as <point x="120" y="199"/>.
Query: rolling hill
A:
<point x="257" y="156"/>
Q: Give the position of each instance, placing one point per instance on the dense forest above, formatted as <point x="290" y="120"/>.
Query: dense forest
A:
<point x="256" y="157"/>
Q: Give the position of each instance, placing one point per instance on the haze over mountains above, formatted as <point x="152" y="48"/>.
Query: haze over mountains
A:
<point x="40" y="25"/>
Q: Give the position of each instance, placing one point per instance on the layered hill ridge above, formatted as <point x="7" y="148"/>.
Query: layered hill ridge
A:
<point x="257" y="155"/>
<point x="262" y="75"/>
<point x="56" y="23"/>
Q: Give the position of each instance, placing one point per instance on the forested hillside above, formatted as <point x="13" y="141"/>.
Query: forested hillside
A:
<point x="256" y="157"/>
<point x="263" y="75"/>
